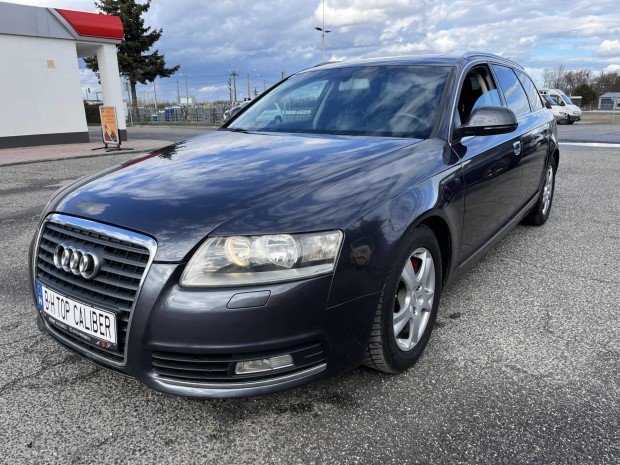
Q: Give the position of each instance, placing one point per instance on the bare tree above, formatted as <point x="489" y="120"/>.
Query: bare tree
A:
<point x="554" y="78"/>
<point x="607" y="82"/>
<point x="575" y="79"/>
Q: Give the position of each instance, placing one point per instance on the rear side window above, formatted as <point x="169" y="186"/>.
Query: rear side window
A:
<point x="531" y="91"/>
<point x="513" y="91"/>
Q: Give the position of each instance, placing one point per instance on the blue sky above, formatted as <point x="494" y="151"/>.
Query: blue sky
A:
<point x="263" y="38"/>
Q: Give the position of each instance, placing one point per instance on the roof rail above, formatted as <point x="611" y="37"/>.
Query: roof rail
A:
<point x="325" y="63"/>
<point x="491" y="55"/>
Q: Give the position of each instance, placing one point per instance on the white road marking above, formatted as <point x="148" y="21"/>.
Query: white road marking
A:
<point x="591" y="144"/>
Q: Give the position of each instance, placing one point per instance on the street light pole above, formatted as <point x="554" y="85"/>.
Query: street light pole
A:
<point x="323" y="32"/>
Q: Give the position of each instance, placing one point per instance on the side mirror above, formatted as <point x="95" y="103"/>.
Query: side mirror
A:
<point x="548" y="105"/>
<point x="562" y="104"/>
<point x="488" y="121"/>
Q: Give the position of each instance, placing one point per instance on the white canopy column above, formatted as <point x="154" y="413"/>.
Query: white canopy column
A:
<point x="111" y="84"/>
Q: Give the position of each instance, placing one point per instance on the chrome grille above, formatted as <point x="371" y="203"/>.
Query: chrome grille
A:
<point x="117" y="283"/>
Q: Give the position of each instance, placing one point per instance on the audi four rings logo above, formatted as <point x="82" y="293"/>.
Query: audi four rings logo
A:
<point x="78" y="261"/>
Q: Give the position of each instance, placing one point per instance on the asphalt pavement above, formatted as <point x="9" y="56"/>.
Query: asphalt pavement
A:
<point x="523" y="366"/>
<point x="140" y="139"/>
<point x="590" y="131"/>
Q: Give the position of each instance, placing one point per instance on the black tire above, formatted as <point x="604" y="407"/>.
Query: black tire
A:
<point x="383" y="351"/>
<point x="538" y="215"/>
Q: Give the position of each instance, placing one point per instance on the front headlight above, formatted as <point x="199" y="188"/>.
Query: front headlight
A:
<point x="244" y="260"/>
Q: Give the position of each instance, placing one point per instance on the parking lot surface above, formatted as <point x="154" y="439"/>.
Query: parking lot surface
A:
<point x="523" y="366"/>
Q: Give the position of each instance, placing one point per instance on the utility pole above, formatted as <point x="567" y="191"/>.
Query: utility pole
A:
<point x="155" y="94"/>
<point x="264" y="86"/>
<point x="130" y="109"/>
<point x="234" y="75"/>
<point x="186" y="92"/>
<point x="249" y="96"/>
<point x="255" y="92"/>
<point x="178" y="94"/>
<point x="230" y="90"/>
<point x="282" y="75"/>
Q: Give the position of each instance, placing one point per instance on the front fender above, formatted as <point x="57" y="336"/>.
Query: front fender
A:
<point x="370" y="243"/>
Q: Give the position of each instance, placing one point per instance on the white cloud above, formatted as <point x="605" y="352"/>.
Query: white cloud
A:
<point x="267" y="37"/>
<point x="208" y="89"/>
<point x="609" y="48"/>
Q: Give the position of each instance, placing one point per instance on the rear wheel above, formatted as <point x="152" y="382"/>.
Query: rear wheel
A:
<point x="540" y="213"/>
<point x="408" y="307"/>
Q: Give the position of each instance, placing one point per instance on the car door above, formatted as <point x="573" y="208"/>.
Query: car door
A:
<point x="491" y="166"/>
<point x="537" y="127"/>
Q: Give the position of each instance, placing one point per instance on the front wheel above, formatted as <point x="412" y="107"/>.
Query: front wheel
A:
<point x="540" y="213"/>
<point x="408" y="306"/>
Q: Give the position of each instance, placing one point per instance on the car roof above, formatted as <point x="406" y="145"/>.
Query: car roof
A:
<point x="435" y="60"/>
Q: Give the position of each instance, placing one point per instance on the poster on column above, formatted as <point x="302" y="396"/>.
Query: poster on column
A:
<point x="109" y="127"/>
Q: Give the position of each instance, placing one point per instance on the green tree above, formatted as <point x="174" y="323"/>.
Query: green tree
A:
<point x="588" y="95"/>
<point x="134" y="61"/>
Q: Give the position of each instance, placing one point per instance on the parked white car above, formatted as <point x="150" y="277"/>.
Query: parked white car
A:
<point x="272" y="114"/>
<point x="228" y="114"/>
<point x="560" y="99"/>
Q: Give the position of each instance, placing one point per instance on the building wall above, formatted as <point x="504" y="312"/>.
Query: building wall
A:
<point x="40" y="101"/>
<point x="609" y="102"/>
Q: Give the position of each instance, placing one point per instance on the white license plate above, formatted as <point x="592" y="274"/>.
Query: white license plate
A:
<point x="91" y="324"/>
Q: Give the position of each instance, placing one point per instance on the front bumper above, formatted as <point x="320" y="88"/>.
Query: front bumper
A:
<point x="187" y="341"/>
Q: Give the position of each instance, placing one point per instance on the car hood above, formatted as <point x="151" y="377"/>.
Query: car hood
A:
<point x="181" y="193"/>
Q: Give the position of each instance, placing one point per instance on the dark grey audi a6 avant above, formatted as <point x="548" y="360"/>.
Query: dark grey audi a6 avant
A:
<point x="294" y="244"/>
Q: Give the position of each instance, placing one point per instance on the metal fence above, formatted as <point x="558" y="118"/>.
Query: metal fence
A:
<point x="182" y="114"/>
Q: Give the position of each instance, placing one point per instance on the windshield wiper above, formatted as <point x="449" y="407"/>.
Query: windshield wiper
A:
<point x="235" y="130"/>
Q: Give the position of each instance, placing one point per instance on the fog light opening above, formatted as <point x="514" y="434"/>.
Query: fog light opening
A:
<point x="264" y="364"/>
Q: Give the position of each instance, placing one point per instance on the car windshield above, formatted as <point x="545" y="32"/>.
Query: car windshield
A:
<point x="390" y="101"/>
<point x="565" y="98"/>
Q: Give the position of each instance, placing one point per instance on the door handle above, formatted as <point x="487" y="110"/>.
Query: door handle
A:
<point x="517" y="147"/>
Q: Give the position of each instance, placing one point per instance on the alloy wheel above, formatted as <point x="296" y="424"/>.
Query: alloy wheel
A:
<point x="547" y="190"/>
<point x="414" y="299"/>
